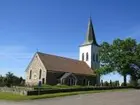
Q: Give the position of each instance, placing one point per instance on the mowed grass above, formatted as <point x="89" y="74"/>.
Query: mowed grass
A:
<point x="15" y="97"/>
<point x="10" y="96"/>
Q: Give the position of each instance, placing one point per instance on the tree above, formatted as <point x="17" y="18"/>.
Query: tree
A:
<point x="110" y="83"/>
<point x="118" y="56"/>
<point x="105" y="83"/>
<point x="105" y="59"/>
<point x="135" y="75"/>
<point x="122" y="55"/>
<point x="9" y="79"/>
<point x="2" y="80"/>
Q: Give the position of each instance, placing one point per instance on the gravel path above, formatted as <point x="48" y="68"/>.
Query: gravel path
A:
<point x="131" y="97"/>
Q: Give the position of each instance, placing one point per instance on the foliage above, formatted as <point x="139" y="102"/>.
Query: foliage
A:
<point x="11" y="80"/>
<point x="45" y="86"/>
<point x="105" y="83"/>
<point x="118" y="56"/>
<point x="111" y="83"/>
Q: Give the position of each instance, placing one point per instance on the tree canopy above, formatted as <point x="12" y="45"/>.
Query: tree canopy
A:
<point x="118" y="56"/>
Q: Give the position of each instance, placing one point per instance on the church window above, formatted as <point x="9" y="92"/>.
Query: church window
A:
<point x="30" y="77"/>
<point x="93" y="56"/>
<point x="40" y="73"/>
<point x="82" y="56"/>
<point x="97" y="57"/>
<point x="86" y="56"/>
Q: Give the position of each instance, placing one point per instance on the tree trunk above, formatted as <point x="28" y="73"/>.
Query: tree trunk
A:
<point x="125" y="81"/>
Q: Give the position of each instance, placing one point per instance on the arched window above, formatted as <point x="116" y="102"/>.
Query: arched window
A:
<point x="82" y="56"/>
<point x="87" y="56"/>
<point x="96" y="57"/>
<point x="30" y="77"/>
<point x="93" y="56"/>
<point x="40" y="73"/>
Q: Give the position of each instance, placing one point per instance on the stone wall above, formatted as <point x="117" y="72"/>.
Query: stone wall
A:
<point x="16" y="90"/>
<point x="35" y="66"/>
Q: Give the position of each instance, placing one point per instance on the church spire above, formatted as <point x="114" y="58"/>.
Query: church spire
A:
<point x="90" y="36"/>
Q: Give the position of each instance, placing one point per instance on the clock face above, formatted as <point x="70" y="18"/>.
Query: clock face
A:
<point x="35" y="76"/>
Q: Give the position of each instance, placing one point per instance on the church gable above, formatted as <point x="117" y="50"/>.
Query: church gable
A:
<point x="35" y="71"/>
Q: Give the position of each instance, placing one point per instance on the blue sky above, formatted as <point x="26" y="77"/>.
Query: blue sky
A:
<point x="59" y="27"/>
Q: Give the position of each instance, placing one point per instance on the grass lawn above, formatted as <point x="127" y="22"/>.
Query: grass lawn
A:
<point x="14" y="97"/>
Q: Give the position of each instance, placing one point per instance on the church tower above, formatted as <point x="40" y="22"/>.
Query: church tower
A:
<point x="89" y="50"/>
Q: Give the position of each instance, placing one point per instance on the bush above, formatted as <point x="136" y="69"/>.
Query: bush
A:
<point x="105" y="83"/>
<point x="46" y="87"/>
<point x="50" y="91"/>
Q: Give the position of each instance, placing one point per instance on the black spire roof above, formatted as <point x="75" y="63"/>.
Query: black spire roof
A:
<point x="90" y="36"/>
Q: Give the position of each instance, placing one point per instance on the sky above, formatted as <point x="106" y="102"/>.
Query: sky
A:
<point x="59" y="27"/>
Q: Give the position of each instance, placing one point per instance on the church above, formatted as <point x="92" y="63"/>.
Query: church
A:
<point x="53" y="69"/>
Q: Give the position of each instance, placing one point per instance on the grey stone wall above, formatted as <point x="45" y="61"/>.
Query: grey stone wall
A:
<point x="35" y="65"/>
<point x="16" y="90"/>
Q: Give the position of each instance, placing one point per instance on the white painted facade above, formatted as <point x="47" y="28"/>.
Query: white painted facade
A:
<point x="84" y="50"/>
<point x="93" y="55"/>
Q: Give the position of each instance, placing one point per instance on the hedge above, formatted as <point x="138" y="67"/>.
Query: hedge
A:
<point x="40" y="91"/>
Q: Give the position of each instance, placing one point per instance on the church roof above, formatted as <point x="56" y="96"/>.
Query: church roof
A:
<point x="90" y="36"/>
<point x="62" y="64"/>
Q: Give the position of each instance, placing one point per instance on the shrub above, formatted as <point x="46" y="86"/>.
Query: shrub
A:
<point x="105" y="83"/>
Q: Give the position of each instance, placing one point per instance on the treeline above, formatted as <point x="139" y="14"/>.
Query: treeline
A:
<point x="11" y="80"/>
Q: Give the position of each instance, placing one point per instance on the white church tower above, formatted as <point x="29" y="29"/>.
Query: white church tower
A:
<point x="89" y="50"/>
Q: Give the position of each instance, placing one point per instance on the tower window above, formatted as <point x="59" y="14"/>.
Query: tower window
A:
<point x="87" y="56"/>
<point x="97" y="57"/>
<point x="93" y="56"/>
<point x="30" y="77"/>
<point x="40" y="73"/>
<point x="82" y="56"/>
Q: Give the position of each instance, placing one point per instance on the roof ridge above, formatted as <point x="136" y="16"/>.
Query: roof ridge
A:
<point x="59" y="56"/>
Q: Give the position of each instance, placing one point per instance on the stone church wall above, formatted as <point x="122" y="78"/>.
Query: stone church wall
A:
<point x="35" y="65"/>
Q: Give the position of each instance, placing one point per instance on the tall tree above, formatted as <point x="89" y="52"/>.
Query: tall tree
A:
<point x="118" y="56"/>
<point x="9" y="79"/>
<point x="135" y="66"/>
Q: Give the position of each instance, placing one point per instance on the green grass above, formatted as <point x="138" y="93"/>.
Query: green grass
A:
<point x="14" y="97"/>
<point x="10" y="96"/>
